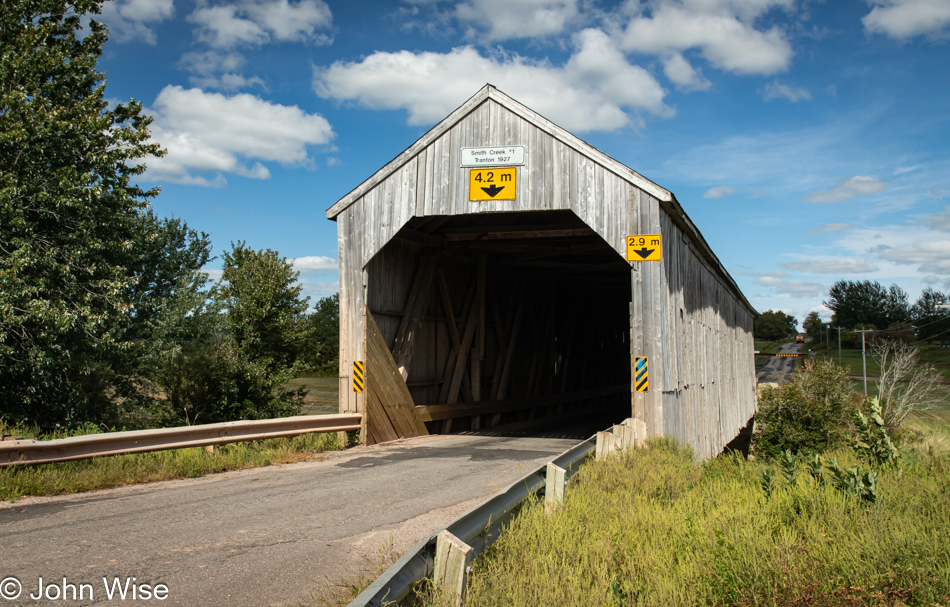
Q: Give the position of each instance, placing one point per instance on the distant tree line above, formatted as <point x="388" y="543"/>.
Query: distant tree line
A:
<point x="773" y="325"/>
<point x="105" y="314"/>
<point x="857" y="305"/>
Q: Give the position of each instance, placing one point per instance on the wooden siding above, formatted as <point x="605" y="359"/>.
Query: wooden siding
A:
<point x="686" y="314"/>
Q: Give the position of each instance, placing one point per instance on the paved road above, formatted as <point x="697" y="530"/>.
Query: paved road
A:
<point x="260" y="537"/>
<point x="779" y="369"/>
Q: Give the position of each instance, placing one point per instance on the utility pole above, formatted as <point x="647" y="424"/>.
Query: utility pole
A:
<point x="839" y="345"/>
<point x="864" y="363"/>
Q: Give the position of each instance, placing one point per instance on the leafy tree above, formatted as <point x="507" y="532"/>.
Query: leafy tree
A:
<point x="773" y="325"/>
<point x="812" y="326"/>
<point x="868" y="303"/>
<point x="324" y="323"/>
<point x="68" y="211"/>
<point x="896" y="306"/>
<point x="929" y="320"/>
<point x="169" y="257"/>
<point x="265" y="313"/>
<point x="230" y="357"/>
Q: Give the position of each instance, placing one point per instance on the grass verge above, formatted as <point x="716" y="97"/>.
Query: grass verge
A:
<point x="650" y="527"/>
<point x="114" y="471"/>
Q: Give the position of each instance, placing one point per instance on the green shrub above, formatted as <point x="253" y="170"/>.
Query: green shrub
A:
<point x="811" y="413"/>
<point x="215" y="381"/>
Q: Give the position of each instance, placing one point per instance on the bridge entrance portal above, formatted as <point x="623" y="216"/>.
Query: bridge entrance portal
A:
<point x="503" y="321"/>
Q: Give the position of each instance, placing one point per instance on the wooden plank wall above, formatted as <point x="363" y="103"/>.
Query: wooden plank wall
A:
<point x="697" y="336"/>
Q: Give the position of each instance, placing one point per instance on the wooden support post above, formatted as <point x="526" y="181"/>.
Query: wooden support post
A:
<point x="502" y="343"/>
<point x="607" y="442"/>
<point x="456" y="355"/>
<point x="553" y="486"/>
<point x="449" y="314"/>
<point x="459" y="371"/>
<point x="405" y="342"/>
<point x="476" y="376"/>
<point x="627" y="436"/>
<point x="509" y="354"/>
<point x="535" y="350"/>
<point x="480" y="281"/>
<point x="452" y="558"/>
<point x="639" y="428"/>
<point x="567" y="355"/>
<point x="549" y="342"/>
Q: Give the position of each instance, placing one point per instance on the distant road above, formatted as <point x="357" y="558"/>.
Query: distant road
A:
<point x="779" y="369"/>
<point x="259" y="537"/>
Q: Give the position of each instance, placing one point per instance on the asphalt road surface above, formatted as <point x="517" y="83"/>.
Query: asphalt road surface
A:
<point x="779" y="369"/>
<point x="268" y="536"/>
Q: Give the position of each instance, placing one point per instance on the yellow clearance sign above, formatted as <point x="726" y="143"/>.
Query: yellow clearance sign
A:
<point x="645" y="247"/>
<point x="493" y="184"/>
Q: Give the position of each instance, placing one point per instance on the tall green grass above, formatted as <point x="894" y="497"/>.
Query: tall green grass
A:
<point x="650" y="527"/>
<point x="114" y="471"/>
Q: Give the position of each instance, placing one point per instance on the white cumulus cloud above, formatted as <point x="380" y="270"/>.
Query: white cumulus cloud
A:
<point x="938" y="221"/>
<point x="791" y="287"/>
<point x="493" y="20"/>
<point x="932" y="257"/>
<point x="848" y="188"/>
<point x="723" y="31"/>
<point x="903" y="19"/>
<point x="256" y="22"/>
<point x="218" y="70"/>
<point x="683" y="74"/>
<point x="314" y="264"/>
<point x="134" y="19"/>
<point x="213" y="133"/>
<point x="597" y="89"/>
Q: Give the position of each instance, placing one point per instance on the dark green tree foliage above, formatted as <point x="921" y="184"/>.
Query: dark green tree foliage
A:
<point x="812" y="326"/>
<point x="323" y="353"/>
<point x="229" y="358"/>
<point x="265" y="313"/>
<point x="774" y="325"/>
<point x="896" y="306"/>
<point x="168" y="257"/>
<point x="811" y="413"/>
<point x="68" y="212"/>
<point x="930" y="321"/>
<point x="867" y="303"/>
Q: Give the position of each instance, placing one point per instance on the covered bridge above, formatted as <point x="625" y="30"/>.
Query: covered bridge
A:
<point x="484" y="283"/>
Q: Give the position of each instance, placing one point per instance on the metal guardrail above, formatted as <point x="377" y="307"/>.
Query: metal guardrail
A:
<point x="479" y="528"/>
<point x="139" y="441"/>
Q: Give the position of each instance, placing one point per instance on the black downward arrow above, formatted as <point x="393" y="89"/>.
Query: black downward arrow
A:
<point x="493" y="190"/>
<point x="644" y="252"/>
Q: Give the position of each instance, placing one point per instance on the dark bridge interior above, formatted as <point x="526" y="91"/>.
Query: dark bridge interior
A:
<point x="506" y="322"/>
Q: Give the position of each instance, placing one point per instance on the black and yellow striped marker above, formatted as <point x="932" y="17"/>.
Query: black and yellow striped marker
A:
<point x="358" y="376"/>
<point x="641" y="373"/>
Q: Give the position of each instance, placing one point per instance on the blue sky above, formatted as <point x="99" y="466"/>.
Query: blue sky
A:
<point x="807" y="140"/>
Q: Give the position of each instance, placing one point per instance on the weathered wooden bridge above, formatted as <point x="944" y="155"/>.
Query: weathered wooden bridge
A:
<point x="500" y="272"/>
